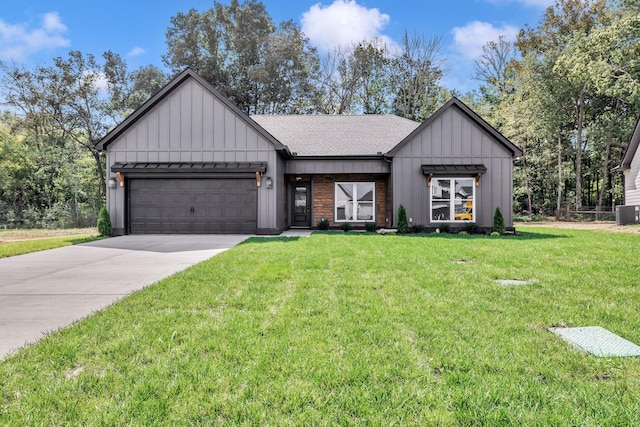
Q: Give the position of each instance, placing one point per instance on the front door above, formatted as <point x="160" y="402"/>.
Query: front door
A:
<point x="301" y="204"/>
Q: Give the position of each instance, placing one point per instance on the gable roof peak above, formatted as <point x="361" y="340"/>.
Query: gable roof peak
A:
<point x="176" y="82"/>
<point x="472" y="115"/>
<point x="631" y="151"/>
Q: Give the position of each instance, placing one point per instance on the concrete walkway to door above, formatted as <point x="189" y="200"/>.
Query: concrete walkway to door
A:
<point x="44" y="291"/>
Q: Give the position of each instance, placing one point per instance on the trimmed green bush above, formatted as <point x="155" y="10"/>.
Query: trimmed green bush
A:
<point x="104" y="222"/>
<point x="403" y="223"/>
<point x="370" y="227"/>
<point x="346" y="226"/>
<point x="445" y="228"/>
<point x="418" y="228"/>
<point x="323" y="224"/>
<point x="471" y="227"/>
<point x="498" y="222"/>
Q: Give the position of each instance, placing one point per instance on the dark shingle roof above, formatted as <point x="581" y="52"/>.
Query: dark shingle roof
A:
<point x="631" y="150"/>
<point x="317" y="135"/>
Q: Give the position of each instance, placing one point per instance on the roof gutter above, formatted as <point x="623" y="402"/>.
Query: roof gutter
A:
<point x="343" y="157"/>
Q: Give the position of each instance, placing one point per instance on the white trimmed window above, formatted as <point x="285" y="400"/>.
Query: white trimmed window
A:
<point x="453" y="199"/>
<point x="355" y="201"/>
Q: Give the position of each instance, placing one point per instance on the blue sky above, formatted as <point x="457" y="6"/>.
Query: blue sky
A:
<point x="35" y="31"/>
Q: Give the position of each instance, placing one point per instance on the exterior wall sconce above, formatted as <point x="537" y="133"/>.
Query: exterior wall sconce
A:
<point x="268" y="182"/>
<point x="111" y="183"/>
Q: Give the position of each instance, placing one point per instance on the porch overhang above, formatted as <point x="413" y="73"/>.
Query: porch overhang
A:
<point x="453" y="170"/>
<point x="190" y="169"/>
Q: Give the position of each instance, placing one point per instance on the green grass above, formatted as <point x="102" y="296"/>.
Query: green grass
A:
<point x="346" y="329"/>
<point x="22" y="247"/>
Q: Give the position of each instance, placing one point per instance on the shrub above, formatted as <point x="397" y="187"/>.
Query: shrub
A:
<point x="498" y="222"/>
<point x="522" y="218"/>
<point x="403" y="223"/>
<point x="494" y="233"/>
<point x="346" y="226"/>
<point x="370" y="227"/>
<point x="418" y="228"/>
<point x="323" y="224"/>
<point x="104" y="222"/>
<point x="471" y="227"/>
<point x="445" y="228"/>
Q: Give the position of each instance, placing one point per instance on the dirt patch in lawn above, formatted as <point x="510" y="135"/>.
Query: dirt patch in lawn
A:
<point x="7" y="236"/>
<point x="590" y="225"/>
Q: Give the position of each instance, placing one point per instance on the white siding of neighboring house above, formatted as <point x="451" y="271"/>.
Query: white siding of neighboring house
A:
<point x="632" y="182"/>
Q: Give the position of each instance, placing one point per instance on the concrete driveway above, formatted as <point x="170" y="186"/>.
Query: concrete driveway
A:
<point x="44" y="291"/>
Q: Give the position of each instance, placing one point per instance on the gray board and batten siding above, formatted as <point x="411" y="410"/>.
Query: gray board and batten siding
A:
<point x="189" y="121"/>
<point x="325" y="166"/>
<point x="454" y="135"/>
<point x="190" y="139"/>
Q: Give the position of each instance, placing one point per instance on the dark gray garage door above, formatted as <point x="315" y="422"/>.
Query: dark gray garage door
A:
<point x="192" y="206"/>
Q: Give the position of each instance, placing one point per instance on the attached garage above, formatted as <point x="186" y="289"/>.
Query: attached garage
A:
<point x="191" y="198"/>
<point x="189" y="161"/>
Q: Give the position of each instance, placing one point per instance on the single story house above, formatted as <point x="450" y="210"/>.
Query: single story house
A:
<point x="189" y="161"/>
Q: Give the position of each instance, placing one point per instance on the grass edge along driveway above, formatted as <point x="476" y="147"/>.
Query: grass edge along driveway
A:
<point x="352" y="329"/>
<point x="22" y="247"/>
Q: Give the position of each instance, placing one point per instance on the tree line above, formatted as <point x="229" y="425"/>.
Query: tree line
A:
<point x="566" y="91"/>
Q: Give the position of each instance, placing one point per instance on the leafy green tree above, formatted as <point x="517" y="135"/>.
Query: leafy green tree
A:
<point x="605" y="59"/>
<point x="353" y="79"/>
<point x="260" y="66"/>
<point x="126" y="90"/>
<point x="283" y="73"/>
<point x="547" y="43"/>
<point x="76" y="99"/>
<point x="414" y="77"/>
<point x="494" y="66"/>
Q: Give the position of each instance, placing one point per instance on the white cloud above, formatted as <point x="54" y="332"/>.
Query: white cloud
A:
<point x="529" y="3"/>
<point x="52" y="23"/>
<point x="539" y="3"/>
<point x="343" y="23"/>
<point x="17" y="41"/>
<point x="98" y="79"/>
<point x="136" y="51"/>
<point x="470" y="39"/>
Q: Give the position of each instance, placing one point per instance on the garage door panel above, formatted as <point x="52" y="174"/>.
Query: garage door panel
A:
<point x="187" y="206"/>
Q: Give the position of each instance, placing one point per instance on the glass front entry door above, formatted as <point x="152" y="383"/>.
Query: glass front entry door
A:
<point x="301" y="204"/>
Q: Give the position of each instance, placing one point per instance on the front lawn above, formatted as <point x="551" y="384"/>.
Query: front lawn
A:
<point x="347" y="329"/>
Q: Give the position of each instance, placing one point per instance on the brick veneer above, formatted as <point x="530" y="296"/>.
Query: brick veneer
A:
<point x="323" y="194"/>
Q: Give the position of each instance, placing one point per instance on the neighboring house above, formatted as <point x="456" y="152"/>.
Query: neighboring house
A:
<point x="189" y="161"/>
<point x="630" y="167"/>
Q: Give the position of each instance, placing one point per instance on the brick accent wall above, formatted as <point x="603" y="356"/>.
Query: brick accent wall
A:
<point x="323" y="193"/>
